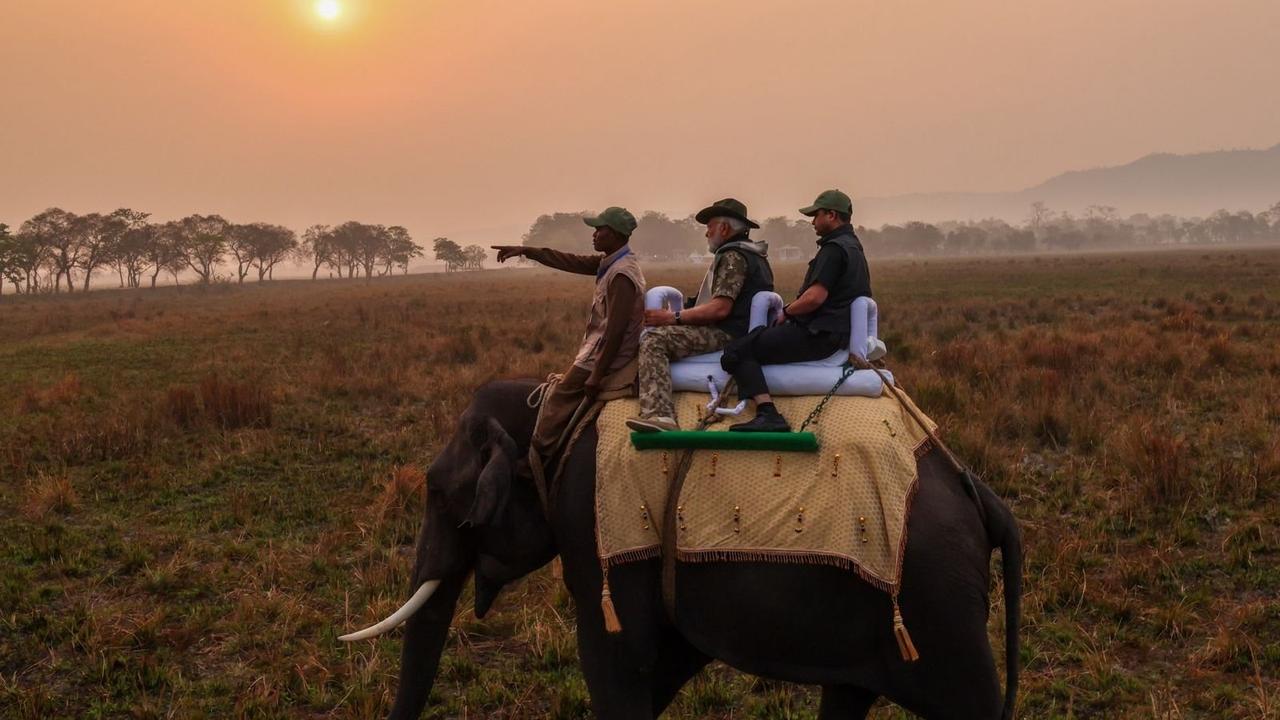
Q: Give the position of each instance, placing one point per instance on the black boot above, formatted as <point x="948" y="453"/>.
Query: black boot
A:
<point x="767" y="419"/>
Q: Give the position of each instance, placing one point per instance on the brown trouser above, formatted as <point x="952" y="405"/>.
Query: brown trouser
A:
<point x="557" y="410"/>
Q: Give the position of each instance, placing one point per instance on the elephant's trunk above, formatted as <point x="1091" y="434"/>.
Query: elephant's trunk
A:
<point x="425" y="634"/>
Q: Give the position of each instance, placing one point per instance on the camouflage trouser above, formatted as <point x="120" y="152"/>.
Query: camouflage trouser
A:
<point x="658" y="348"/>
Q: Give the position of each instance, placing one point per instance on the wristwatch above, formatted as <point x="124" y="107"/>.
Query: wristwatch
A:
<point x="678" y="321"/>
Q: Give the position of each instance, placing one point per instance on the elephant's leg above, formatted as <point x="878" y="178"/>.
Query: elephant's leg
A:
<point x="955" y="676"/>
<point x="972" y="693"/>
<point x="845" y="702"/>
<point x="619" y="668"/>
<point x="678" y="662"/>
<point x="619" y="687"/>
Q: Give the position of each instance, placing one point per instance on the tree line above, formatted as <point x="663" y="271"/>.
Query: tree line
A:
<point x="455" y="257"/>
<point x="57" y="250"/>
<point x="1044" y="230"/>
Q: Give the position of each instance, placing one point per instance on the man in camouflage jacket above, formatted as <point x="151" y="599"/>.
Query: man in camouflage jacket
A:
<point x="720" y="313"/>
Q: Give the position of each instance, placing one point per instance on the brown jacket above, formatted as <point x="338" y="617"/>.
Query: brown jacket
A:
<point x="612" y="338"/>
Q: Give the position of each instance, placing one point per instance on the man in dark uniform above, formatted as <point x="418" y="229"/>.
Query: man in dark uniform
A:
<point x="816" y="323"/>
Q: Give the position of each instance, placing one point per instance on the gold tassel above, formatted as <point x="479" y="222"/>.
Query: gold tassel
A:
<point x="611" y="624"/>
<point x="905" y="646"/>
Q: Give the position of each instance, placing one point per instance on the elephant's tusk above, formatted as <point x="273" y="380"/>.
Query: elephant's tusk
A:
<point x="399" y="616"/>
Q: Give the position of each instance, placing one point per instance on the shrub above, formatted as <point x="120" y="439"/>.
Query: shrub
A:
<point x="49" y="493"/>
<point x="232" y="405"/>
<point x="62" y="392"/>
<point x="1160" y="461"/>
<point x="401" y="488"/>
<point x="182" y="407"/>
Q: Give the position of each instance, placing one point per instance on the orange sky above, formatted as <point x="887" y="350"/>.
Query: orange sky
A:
<point x="470" y="118"/>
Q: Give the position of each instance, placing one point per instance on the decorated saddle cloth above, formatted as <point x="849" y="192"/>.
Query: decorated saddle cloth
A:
<point x="845" y="505"/>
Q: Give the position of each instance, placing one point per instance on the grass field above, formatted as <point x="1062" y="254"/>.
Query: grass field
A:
<point x="201" y="488"/>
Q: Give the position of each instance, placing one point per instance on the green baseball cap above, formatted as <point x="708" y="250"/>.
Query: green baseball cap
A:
<point x="727" y="207"/>
<point x="618" y="218"/>
<point x="829" y="200"/>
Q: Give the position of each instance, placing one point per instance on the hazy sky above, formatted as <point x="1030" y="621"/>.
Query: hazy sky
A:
<point x="470" y="118"/>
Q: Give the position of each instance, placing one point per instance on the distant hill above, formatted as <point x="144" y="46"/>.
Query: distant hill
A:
<point x="1184" y="185"/>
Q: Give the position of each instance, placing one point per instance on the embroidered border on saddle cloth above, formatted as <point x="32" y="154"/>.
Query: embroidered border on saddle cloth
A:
<point x="845" y="505"/>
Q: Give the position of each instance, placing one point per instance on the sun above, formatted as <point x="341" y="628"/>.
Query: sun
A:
<point x="328" y="9"/>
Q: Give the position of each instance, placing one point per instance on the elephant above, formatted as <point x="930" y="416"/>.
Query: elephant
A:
<point x="811" y="624"/>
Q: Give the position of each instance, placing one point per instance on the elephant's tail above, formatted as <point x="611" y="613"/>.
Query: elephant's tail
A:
<point x="1003" y="533"/>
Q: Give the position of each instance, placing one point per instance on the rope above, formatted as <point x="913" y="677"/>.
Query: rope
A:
<point x="670" y="520"/>
<point x="958" y="466"/>
<point x="534" y="460"/>
<point x="540" y="393"/>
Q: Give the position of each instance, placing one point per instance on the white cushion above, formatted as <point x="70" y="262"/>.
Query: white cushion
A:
<point x="807" y="378"/>
<point x="813" y="378"/>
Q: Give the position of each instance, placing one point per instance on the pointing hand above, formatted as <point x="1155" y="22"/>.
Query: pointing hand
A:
<point x="506" y="252"/>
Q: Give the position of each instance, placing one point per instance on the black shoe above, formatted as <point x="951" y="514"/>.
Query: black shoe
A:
<point x="772" y="422"/>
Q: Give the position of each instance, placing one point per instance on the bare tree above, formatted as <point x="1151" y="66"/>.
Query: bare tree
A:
<point x="1272" y="217"/>
<point x="165" y="253"/>
<point x="29" y="255"/>
<point x="50" y="231"/>
<point x="448" y="251"/>
<point x="403" y="259"/>
<point x="1040" y="214"/>
<point x="1104" y="213"/>
<point x="372" y="240"/>
<point x="347" y="240"/>
<point x="204" y="243"/>
<point x="398" y="250"/>
<point x="240" y="243"/>
<point x="316" y="246"/>
<point x="97" y="237"/>
<point x="473" y="257"/>
<point x="130" y="258"/>
<point x="8" y="254"/>
<point x="361" y="245"/>
<point x="270" y="245"/>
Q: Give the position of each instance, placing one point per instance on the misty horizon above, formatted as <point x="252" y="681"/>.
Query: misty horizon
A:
<point x="472" y="120"/>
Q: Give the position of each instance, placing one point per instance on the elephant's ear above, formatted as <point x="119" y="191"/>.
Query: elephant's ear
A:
<point x="493" y="487"/>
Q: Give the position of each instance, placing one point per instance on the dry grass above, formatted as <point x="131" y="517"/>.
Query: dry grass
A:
<point x="47" y="495"/>
<point x="402" y="494"/>
<point x="201" y="488"/>
<point x="64" y="391"/>
<point x="232" y="405"/>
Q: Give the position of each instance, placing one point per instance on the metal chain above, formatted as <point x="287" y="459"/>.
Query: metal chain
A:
<point x="848" y="370"/>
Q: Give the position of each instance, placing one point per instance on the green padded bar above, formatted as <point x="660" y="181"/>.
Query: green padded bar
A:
<point x="725" y="440"/>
